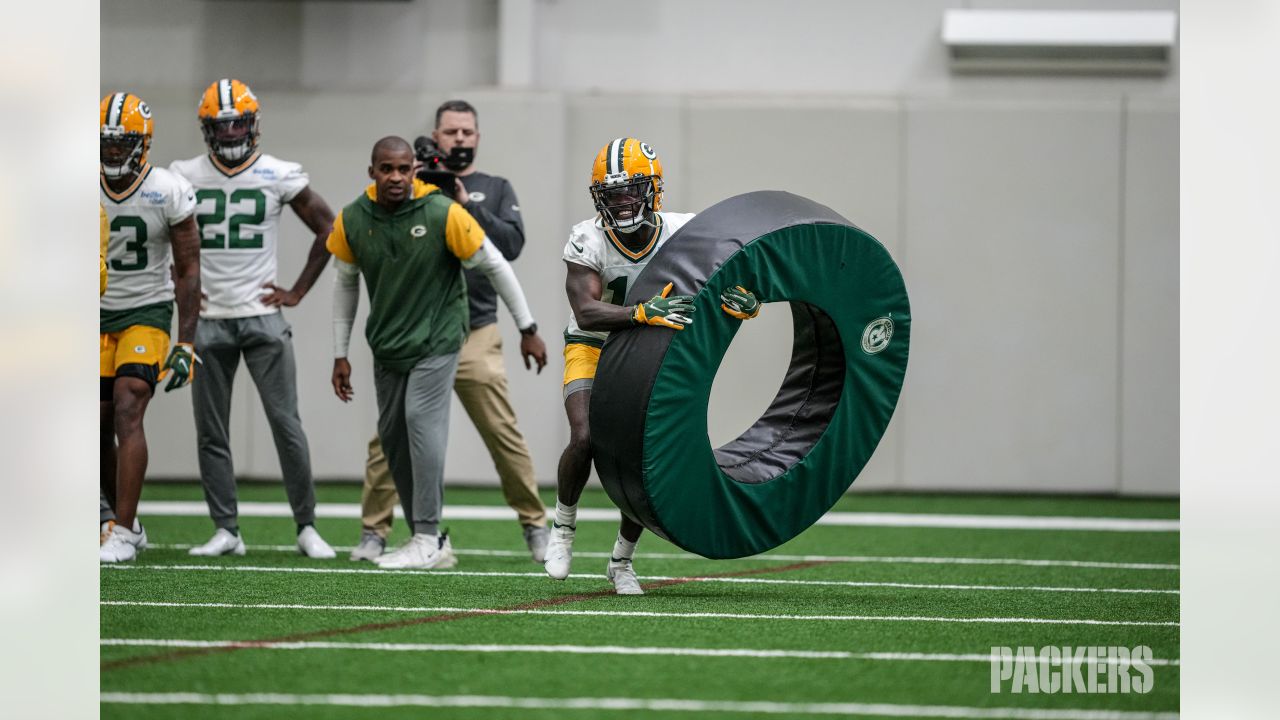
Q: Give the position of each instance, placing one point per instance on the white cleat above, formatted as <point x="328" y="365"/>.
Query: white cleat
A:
<point x="104" y="532"/>
<point x="370" y="547"/>
<point x="313" y="546"/>
<point x="623" y="577"/>
<point x="223" y="542"/>
<point x="122" y="545"/>
<point x="559" y="552"/>
<point x="536" y="540"/>
<point x="422" y="552"/>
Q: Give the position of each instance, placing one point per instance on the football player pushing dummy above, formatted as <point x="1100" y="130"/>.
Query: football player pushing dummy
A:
<point x="604" y="256"/>
<point x="240" y="195"/>
<point x="150" y="219"/>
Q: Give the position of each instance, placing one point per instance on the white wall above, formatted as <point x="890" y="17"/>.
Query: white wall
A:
<point x="1034" y="218"/>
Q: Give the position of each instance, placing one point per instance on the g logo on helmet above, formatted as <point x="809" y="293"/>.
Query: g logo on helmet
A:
<point x="877" y="334"/>
<point x="647" y="151"/>
<point x="144" y="110"/>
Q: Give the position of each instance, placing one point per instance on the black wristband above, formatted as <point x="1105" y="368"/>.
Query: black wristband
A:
<point x="531" y="330"/>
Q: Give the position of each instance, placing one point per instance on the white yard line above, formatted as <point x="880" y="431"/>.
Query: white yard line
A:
<point x="586" y="650"/>
<point x="187" y="508"/>
<point x="628" y="704"/>
<point x="651" y="614"/>
<point x="590" y="576"/>
<point x="888" y="559"/>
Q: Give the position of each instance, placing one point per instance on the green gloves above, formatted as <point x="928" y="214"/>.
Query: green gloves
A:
<point x="181" y="363"/>
<point x="672" y="312"/>
<point x="740" y="303"/>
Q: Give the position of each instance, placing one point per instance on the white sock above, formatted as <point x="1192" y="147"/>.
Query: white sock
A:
<point x="566" y="515"/>
<point x="622" y="549"/>
<point x="137" y="525"/>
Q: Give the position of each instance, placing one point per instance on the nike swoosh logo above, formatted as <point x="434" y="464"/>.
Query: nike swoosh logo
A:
<point x="576" y="246"/>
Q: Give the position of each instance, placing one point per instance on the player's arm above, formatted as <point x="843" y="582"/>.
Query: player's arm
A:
<point x="316" y="215"/>
<point x="346" y="300"/>
<point x="505" y="227"/>
<point x="104" y="235"/>
<point x="467" y="241"/>
<point x="184" y="239"/>
<point x="584" y="288"/>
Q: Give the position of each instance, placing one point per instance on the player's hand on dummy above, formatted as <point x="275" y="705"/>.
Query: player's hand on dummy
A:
<point x="342" y="380"/>
<point x="180" y="366"/>
<point x="531" y="346"/>
<point x="279" y="297"/>
<point x="673" y="312"/>
<point x="740" y="303"/>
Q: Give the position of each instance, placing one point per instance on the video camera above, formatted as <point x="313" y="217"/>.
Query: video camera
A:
<point x="437" y="167"/>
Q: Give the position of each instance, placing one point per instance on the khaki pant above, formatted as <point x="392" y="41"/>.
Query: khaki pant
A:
<point x="481" y="384"/>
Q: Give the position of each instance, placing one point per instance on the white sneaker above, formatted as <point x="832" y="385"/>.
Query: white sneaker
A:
<point x="422" y="552"/>
<point x="223" y="542"/>
<point x="313" y="546"/>
<point x="104" y="531"/>
<point x="370" y="547"/>
<point x="559" y="552"/>
<point x="623" y="577"/>
<point x="122" y="545"/>
<point x="536" y="540"/>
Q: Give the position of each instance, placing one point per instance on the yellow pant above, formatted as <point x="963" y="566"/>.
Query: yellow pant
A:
<point x="135" y="345"/>
<point x="481" y="385"/>
<point x="580" y="362"/>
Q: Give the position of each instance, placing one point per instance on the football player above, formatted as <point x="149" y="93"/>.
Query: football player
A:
<point x="604" y="256"/>
<point x="150" y="215"/>
<point x="240" y="195"/>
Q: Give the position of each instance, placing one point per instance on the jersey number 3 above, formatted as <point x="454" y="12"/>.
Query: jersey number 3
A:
<point x="137" y="246"/>
<point x="233" y="240"/>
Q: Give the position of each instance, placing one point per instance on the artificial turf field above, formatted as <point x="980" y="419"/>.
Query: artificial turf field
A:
<point x="844" y="620"/>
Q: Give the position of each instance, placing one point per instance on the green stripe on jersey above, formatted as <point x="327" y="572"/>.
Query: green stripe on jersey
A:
<point x="158" y="315"/>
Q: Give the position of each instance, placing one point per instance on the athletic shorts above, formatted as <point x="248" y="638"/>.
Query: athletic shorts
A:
<point x="137" y="351"/>
<point x="579" y="367"/>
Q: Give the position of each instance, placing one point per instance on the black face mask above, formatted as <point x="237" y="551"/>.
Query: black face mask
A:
<point x="460" y="158"/>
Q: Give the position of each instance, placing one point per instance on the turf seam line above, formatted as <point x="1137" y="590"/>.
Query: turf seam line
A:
<point x="624" y="704"/>
<point x="653" y="614"/>
<point x="656" y="578"/>
<point x="641" y="555"/>
<point x="598" y="650"/>
<point x="194" y="508"/>
<point x="372" y="627"/>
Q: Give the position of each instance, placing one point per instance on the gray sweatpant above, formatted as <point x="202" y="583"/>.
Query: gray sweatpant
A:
<point x="413" y="424"/>
<point x="266" y="341"/>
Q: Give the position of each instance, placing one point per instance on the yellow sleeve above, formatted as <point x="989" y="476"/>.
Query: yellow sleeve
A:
<point x="104" y="234"/>
<point x="462" y="233"/>
<point x="337" y="242"/>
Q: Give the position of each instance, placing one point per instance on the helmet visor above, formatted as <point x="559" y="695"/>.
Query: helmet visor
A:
<point x="116" y="150"/>
<point x="627" y="203"/>
<point x="233" y="130"/>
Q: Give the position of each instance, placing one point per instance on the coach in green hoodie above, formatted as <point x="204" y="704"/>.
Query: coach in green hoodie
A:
<point x="410" y="242"/>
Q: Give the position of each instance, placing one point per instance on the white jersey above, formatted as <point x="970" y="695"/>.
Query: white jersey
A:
<point x="238" y="214"/>
<point x="617" y="266"/>
<point x="138" y="256"/>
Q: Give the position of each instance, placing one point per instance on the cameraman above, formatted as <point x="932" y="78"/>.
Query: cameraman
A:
<point x="481" y="381"/>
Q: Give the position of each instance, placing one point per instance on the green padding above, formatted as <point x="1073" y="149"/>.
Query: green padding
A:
<point x="850" y="276"/>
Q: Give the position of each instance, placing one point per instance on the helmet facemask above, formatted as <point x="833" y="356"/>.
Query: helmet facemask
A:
<point x="629" y="205"/>
<point x="232" y="139"/>
<point x="121" y="154"/>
